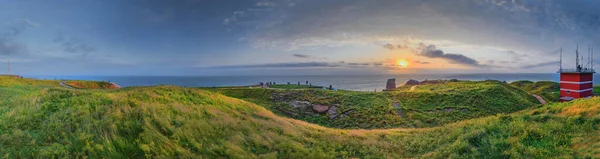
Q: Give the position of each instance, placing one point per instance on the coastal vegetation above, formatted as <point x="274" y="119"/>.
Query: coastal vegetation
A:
<point x="79" y="84"/>
<point x="425" y="106"/>
<point x="40" y="119"/>
<point x="548" y="90"/>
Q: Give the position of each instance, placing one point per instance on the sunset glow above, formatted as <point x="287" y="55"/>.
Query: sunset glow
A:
<point x="402" y="63"/>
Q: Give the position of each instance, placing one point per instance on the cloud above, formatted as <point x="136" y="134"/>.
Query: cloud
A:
<point x="516" y="57"/>
<point x="389" y="46"/>
<point x="74" y="45"/>
<point x="540" y="65"/>
<point x="432" y="52"/>
<point x="394" y="47"/>
<point x="8" y="44"/>
<point x="284" y="65"/>
<point x="301" y="56"/>
<point x="526" y="28"/>
<point x="157" y="15"/>
<point x="8" y="47"/>
<point x="422" y="62"/>
<point x="265" y="4"/>
<point x="340" y="64"/>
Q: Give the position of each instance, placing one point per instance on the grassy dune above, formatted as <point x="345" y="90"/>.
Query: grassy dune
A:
<point x="426" y="106"/>
<point x="43" y="120"/>
<point x="91" y="84"/>
<point x="548" y="90"/>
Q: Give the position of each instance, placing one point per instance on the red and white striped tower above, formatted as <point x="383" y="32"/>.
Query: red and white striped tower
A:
<point x="577" y="83"/>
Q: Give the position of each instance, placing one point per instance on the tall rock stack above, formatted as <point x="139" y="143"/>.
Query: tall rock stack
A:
<point x="391" y="84"/>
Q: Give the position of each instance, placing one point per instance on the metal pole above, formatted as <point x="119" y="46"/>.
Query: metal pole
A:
<point x="577" y="57"/>
<point x="560" y="62"/>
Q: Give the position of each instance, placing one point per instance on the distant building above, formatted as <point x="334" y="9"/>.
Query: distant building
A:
<point x="391" y="84"/>
<point x="577" y="83"/>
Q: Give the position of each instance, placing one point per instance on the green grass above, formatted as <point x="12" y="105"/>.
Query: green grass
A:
<point x="91" y="84"/>
<point x="548" y="90"/>
<point x="294" y="86"/>
<point x="426" y="106"/>
<point x="43" y="120"/>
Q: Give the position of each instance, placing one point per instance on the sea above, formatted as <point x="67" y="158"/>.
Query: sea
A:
<point x="346" y="82"/>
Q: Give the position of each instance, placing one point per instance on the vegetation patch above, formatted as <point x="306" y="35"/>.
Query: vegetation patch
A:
<point x="43" y="120"/>
<point x="91" y="84"/>
<point x="548" y="90"/>
<point x="426" y="106"/>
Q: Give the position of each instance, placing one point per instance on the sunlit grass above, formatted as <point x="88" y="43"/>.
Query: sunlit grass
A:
<point x="44" y="120"/>
<point x="548" y="90"/>
<point x="91" y="84"/>
<point x="426" y="106"/>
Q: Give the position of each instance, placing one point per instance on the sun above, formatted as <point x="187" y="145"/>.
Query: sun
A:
<point x="402" y="63"/>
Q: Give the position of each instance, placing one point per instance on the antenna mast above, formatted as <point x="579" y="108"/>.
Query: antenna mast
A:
<point x="9" y="66"/>
<point x="577" y="57"/>
<point x="560" y="62"/>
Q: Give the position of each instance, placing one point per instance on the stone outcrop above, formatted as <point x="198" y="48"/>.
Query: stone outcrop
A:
<point x="411" y="82"/>
<point x="320" y="108"/>
<point x="332" y="112"/>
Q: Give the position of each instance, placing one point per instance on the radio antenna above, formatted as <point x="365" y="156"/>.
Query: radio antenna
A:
<point x="560" y="61"/>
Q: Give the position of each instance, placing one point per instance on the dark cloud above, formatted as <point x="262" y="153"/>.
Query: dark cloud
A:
<point x="74" y="45"/>
<point x="432" y="52"/>
<point x="540" y="65"/>
<point x="8" y="44"/>
<point x="301" y="56"/>
<point x="516" y="57"/>
<point x="285" y="65"/>
<point x="394" y="47"/>
<point x="9" y="47"/>
<point x="389" y="46"/>
<point x="422" y="62"/>
<point x="339" y="64"/>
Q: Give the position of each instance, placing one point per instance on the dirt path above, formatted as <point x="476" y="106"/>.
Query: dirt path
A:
<point x="413" y="88"/>
<point x="62" y="83"/>
<point x="540" y="99"/>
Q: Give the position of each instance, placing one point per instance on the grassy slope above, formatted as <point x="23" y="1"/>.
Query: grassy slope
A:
<point x="47" y="121"/>
<point x="90" y="84"/>
<point x="548" y="90"/>
<point x="428" y="105"/>
<point x="293" y="86"/>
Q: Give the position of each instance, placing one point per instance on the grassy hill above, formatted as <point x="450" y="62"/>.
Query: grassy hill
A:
<point x="548" y="90"/>
<point x="43" y="120"/>
<point x="426" y="106"/>
<point x="91" y="84"/>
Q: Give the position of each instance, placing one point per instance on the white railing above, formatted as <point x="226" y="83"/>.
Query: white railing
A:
<point x="577" y="70"/>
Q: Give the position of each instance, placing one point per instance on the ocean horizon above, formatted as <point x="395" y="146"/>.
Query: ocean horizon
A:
<point x="346" y="82"/>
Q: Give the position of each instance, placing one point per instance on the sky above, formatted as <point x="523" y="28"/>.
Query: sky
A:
<point x="294" y="37"/>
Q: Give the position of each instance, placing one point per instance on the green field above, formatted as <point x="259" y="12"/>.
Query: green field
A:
<point x="548" y="90"/>
<point x="79" y="84"/>
<point x="426" y="106"/>
<point x="40" y="119"/>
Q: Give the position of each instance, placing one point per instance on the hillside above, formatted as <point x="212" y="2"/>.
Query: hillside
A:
<point x="79" y="84"/>
<point x="548" y="90"/>
<point x="425" y="106"/>
<point x="42" y="120"/>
